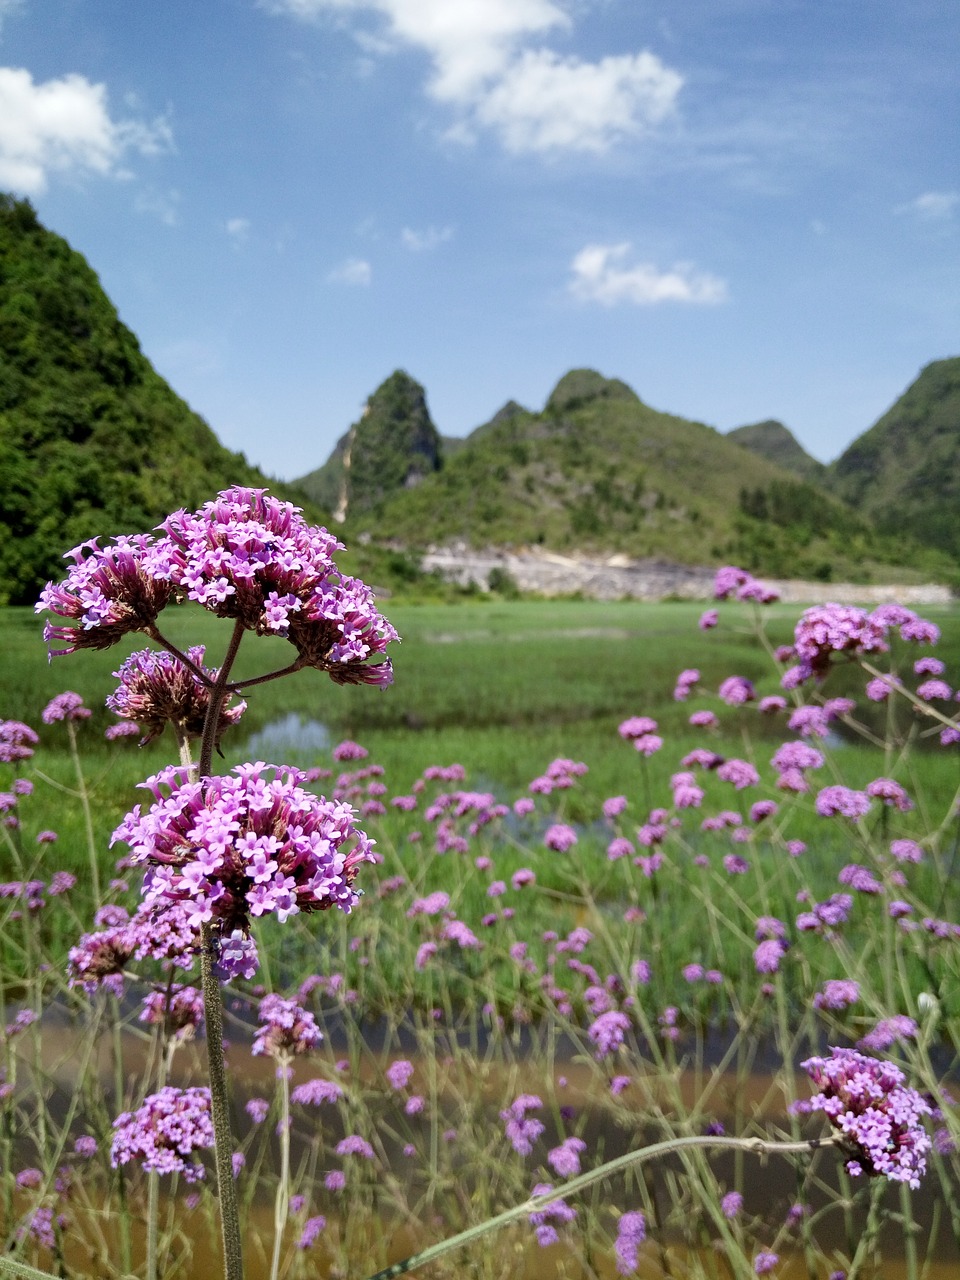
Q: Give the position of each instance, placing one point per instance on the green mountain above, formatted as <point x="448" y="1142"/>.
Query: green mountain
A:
<point x="92" y="440"/>
<point x="393" y="445"/>
<point x="775" y="442"/>
<point x="600" y="472"/>
<point x="904" y="472"/>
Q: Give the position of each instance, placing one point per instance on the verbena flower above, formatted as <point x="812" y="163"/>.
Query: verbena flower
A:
<point x="314" y="1092"/>
<point x="107" y="594"/>
<point x="836" y="628"/>
<point x="731" y="1204"/>
<point x="65" y="706"/>
<point x="157" y="689"/>
<point x="522" y="1130"/>
<point x="179" y="1012"/>
<point x="880" y="1118"/>
<point x="166" y="1133"/>
<point x="736" y="690"/>
<point x="285" y="1028"/>
<point x="17" y="741"/>
<point x="241" y="845"/>
<point x="253" y="558"/>
<point x="631" y="1233"/>
<point x="564" y="1160"/>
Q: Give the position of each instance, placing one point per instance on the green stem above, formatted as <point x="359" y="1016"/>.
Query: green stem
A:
<point x="281" y="1205"/>
<point x="84" y="796"/>
<point x="758" y="1146"/>
<point x="220" y="1112"/>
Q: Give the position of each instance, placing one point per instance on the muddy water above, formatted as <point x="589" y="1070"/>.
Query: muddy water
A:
<point x="511" y="1253"/>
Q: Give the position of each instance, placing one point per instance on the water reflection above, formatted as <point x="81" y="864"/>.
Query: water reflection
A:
<point x="279" y="739"/>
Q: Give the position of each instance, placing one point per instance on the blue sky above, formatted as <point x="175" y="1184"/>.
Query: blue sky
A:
<point x="743" y="208"/>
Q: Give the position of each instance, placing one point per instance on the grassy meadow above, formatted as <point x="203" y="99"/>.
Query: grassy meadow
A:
<point x="484" y="955"/>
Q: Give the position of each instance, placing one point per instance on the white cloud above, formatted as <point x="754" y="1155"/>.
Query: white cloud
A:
<point x="422" y="241"/>
<point x="932" y="206"/>
<point x="64" y="125"/>
<point x="352" y="271"/>
<point x="237" y="229"/>
<point x="483" y="65"/>
<point x="601" y="273"/>
<point x="163" y="205"/>
<point x="543" y="102"/>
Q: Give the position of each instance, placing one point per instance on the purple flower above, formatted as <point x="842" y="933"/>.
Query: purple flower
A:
<point x="354" y="1145"/>
<point x="65" y="706"/>
<point x="837" y="993"/>
<point x="202" y="839"/>
<point x="731" y="1204"/>
<point x="313" y="1093"/>
<point x="879" y="1117"/>
<point x="736" y="690"/>
<point x="17" y="741"/>
<point x="399" y="1073"/>
<point x="768" y="955"/>
<point x="285" y="1028"/>
<point x="631" y="1233"/>
<point x="311" y="1229"/>
<point x="835" y="628"/>
<point x="178" y="1010"/>
<point x="257" y="1109"/>
<point x="704" y="720"/>
<point x="565" y="1159"/>
<point x="107" y="594"/>
<point x="708" y="619"/>
<point x="888" y="1031"/>
<point x="771" y="704"/>
<point x="838" y="800"/>
<point x="166" y="1133"/>
<point x="560" y="837"/>
<point x="521" y="1129"/>
<point x="932" y="690"/>
<point x="157" y="689"/>
<point x="608" y="1030"/>
<point x="906" y="850"/>
<point x="740" y="773"/>
<point x="765" y="1262"/>
<point x="728" y="579"/>
<point x="636" y="727"/>
<point x="250" y="557"/>
<point x="809" y="722"/>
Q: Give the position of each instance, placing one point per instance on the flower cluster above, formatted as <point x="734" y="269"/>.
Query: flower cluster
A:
<point x="879" y="1117"/>
<point x="250" y="557"/>
<point x="17" y="741"/>
<point x="231" y="847"/>
<point x="107" y="594"/>
<point x="157" y="689"/>
<point x="179" y="1011"/>
<point x="245" y="556"/>
<point x="285" y="1028"/>
<point x="166" y="1133"/>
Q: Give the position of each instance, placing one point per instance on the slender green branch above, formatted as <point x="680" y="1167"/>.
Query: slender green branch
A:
<point x="218" y="695"/>
<point x="241" y="686"/>
<point x="758" y="1146"/>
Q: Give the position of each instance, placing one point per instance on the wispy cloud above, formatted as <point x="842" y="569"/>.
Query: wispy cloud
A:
<point x="603" y="273"/>
<point x="423" y="241"/>
<point x="354" y="271"/>
<point x="237" y="229"/>
<point x="932" y="206"/>
<point x="485" y="67"/>
<point x="62" y="126"/>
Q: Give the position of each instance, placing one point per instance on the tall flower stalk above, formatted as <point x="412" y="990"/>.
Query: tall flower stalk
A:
<point x="227" y="849"/>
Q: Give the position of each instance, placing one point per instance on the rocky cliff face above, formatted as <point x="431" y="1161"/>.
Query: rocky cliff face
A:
<point x="393" y="445"/>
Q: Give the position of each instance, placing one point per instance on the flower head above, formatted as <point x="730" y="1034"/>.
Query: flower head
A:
<point x="166" y="1133"/>
<point x="245" y="844"/>
<point x="108" y="593"/>
<point x="157" y="689"/>
<point x="879" y="1117"/>
<point x="285" y="1028"/>
<point x="251" y="557"/>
